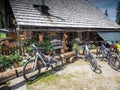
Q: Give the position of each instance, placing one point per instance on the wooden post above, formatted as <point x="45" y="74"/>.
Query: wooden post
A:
<point x="65" y="42"/>
<point x="18" y="35"/>
<point x="88" y="35"/>
<point x="41" y="37"/>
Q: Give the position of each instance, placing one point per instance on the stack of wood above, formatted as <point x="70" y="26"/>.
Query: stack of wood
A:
<point x="65" y="42"/>
<point x="22" y="37"/>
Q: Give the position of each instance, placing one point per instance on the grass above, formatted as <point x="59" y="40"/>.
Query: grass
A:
<point x="8" y="83"/>
<point x="48" y="81"/>
<point x="44" y="80"/>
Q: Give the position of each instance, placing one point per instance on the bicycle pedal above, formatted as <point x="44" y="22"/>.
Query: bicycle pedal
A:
<point x="48" y="65"/>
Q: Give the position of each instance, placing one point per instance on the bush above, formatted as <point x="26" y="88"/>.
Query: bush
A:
<point x="8" y="61"/>
<point x="5" y="61"/>
<point x="46" y="44"/>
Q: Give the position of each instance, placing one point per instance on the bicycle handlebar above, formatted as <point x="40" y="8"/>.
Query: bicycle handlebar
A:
<point x="34" y="46"/>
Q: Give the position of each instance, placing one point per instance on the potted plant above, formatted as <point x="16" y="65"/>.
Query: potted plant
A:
<point x="75" y="46"/>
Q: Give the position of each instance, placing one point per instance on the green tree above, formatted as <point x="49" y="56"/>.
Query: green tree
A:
<point x="118" y="13"/>
<point x="2" y="14"/>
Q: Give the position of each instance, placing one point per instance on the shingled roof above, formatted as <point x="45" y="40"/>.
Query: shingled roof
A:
<point x="63" y="13"/>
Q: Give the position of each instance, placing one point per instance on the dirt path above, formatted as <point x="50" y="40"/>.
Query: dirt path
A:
<point x="78" y="76"/>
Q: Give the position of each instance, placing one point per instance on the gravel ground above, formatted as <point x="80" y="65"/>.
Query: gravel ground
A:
<point x="78" y="76"/>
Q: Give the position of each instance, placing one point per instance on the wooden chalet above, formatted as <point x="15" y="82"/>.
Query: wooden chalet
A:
<point x="56" y="19"/>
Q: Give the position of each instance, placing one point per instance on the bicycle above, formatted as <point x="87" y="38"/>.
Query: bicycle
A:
<point x="90" y="57"/>
<point x="32" y="67"/>
<point x="112" y="57"/>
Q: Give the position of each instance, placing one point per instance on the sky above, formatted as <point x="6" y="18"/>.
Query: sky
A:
<point x="110" y="5"/>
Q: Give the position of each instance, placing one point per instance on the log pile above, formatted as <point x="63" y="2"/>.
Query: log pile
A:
<point x="10" y="74"/>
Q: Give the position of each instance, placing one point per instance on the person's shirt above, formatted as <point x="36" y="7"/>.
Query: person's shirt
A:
<point x="118" y="47"/>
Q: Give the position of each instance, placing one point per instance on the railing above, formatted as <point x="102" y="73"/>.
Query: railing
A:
<point x="7" y="50"/>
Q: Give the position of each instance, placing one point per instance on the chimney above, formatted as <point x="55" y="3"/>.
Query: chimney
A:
<point x="43" y="2"/>
<point x="42" y="7"/>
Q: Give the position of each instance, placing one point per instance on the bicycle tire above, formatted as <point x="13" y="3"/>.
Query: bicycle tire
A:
<point x="28" y="73"/>
<point x="98" y="51"/>
<point x="102" y="55"/>
<point x="114" y="61"/>
<point x="56" y="62"/>
<point x="93" y="62"/>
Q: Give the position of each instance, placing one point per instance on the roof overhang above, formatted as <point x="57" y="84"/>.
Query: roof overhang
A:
<point x="110" y="36"/>
<point x="4" y="30"/>
<point x="66" y="29"/>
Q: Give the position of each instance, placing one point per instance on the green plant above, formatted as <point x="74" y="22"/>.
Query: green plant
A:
<point x="15" y="59"/>
<point x="22" y="63"/>
<point x="8" y="83"/>
<point x="92" y="46"/>
<point x="2" y="35"/>
<point x="46" y="44"/>
<point x="5" y="61"/>
<point x="26" y="44"/>
<point x="75" y="46"/>
<point x="8" y="61"/>
<point x="29" y="49"/>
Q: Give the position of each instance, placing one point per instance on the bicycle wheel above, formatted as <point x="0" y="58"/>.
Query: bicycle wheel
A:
<point x="56" y="62"/>
<point x="93" y="62"/>
<point x="98" y="51"/>
<point x="102" y="55"/>
<point x="114" y="61"/>
<point x="31" y="70"/>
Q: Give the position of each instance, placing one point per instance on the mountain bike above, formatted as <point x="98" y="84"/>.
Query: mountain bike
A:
<point x="32" y="68"/>
<point x="112" y="57"/>
<point x="90" y="57"/>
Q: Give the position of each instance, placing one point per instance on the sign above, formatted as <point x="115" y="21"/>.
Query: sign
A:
<point x="57" y="44"/>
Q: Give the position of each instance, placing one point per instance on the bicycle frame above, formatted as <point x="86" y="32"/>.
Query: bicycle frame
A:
<point x="106" y="52"/>
<point x="87" y="51"/>
<point x="40" y="55"/>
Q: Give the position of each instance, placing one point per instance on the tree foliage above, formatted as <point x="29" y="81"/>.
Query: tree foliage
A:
<point x="118" y="13"/>
<point x="2" y="14"/>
